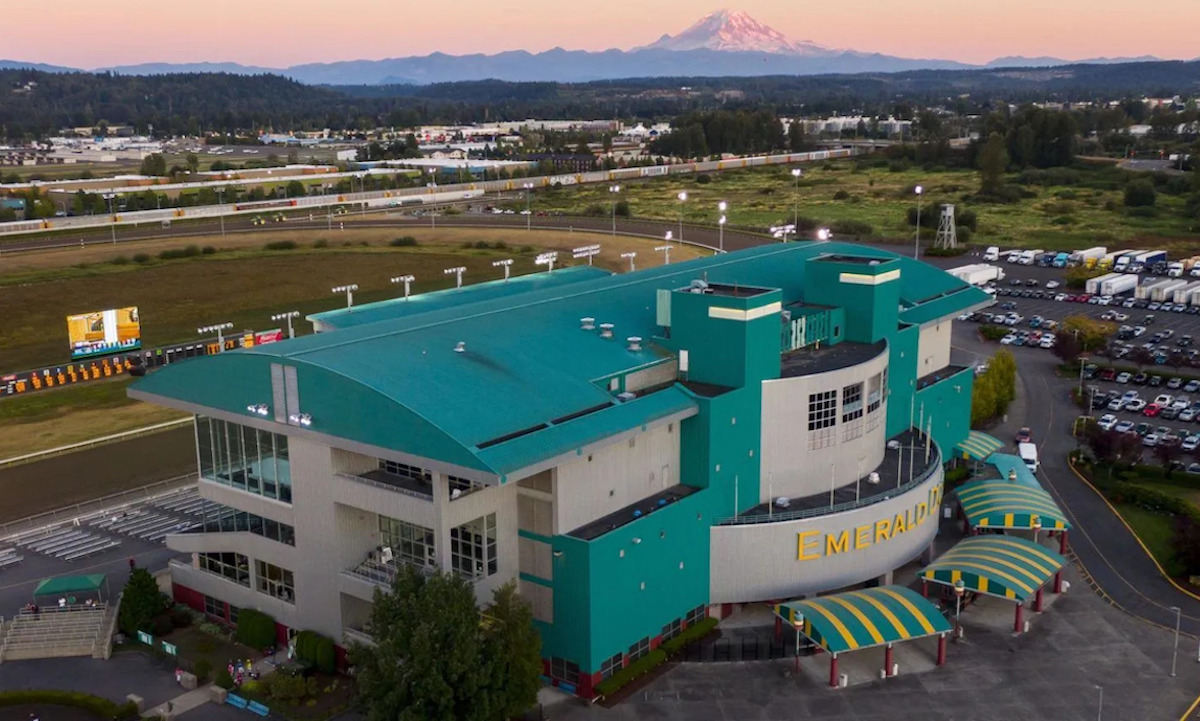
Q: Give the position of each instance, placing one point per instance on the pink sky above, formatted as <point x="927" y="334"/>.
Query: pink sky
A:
<point x="277" y="33"/>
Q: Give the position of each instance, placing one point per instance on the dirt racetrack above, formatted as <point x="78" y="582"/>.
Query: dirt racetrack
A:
<point x="33" y="488"/>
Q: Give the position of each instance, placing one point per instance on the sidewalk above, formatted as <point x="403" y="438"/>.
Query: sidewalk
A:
<point x="190" y="700"/>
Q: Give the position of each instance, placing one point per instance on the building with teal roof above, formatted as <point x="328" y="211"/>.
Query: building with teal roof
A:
<point x="635" y="450"/>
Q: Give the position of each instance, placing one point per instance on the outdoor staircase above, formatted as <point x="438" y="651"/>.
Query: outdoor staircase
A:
<point x="59" y="632"/>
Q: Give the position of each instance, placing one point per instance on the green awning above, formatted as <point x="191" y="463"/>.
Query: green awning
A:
<point x="864" y="619"/>
<point x="69" y="584"/>
<point x="979" y="445"/>
<point x="996" y="565"/>
<point x="996" y="503"/>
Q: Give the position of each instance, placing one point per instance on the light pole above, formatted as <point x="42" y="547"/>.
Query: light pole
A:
<point x="362" y="187"/>
<point x="528" y="215"/>
<point x="1100" y="704"/>
<point x="113" y="218"/>
<point x="219" y="329"/>
<point x="614" y="189"/>
<point x="721" y="207"/>
<point x="682" y="199"/>
<point x="917" y="245"/>
<point x="288" y="317"/>
<point x="1036" y="524"/>
<point x="959" y="589"/>
<point x="1175" y="652"/>
<point x="586" y="251"/>
<point x="547" y="259"/>
<point x="349" y="291"/>
<point x="406" y="280"/>
<point x="506" y="264"/>
<point x="221" y="211"/>
<point x="631" y="255"/>
<point x="666" y="251"/>
<point x="797" y="173"/>
<point x="457" y="273"/>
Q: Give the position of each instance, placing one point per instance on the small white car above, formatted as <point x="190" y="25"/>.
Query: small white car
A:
<point x="1051" y="284"/>
<point x="1107" y="422"/>
<point x="1191" y="443"/>
<point x="1135" y="405"/>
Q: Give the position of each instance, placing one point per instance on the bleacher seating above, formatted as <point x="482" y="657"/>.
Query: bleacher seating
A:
<point x="10" y="557"/>
<point x="66" y="543"/>
<point x="55" y="632"/>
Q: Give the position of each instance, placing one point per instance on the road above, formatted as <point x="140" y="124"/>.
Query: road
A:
<point x="1104" y="547"/>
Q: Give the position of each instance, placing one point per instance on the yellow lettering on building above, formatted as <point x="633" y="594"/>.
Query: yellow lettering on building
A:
<point x="922" y="512"/>
<point x="837" y="544"/>
<point x="807" y="541"/>
<point x="883" y="530"/>
<point x="862" y="537"/>
<point x="899" y="525"/>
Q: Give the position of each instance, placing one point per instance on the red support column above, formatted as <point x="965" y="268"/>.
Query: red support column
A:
<point x="941" y="657"/>
<point x="1037" y="601"/>
<point x="1017" y="622"/>
<point x="925" y="588"/>
<point x="833" y="674"/>
<point x="1062" y="544"/>
<point x="778" y="628"/>
<point x="1058" y="581"/>
<point x="887" y="660"/>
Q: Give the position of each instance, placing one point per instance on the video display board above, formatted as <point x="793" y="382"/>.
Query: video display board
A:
<point x="102" y="332"/>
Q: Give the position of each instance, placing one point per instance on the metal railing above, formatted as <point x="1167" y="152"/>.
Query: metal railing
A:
<point x="385" y="486"/>
<point x="935" y="463"/>
<point x="112" y="501"/>
<point x="101" y="441"/>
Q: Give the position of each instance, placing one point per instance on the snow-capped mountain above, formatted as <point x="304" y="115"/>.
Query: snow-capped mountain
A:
<point x="735" y="31"/>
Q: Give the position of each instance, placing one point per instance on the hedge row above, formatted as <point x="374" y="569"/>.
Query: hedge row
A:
<point x="695" y="632"/>
<point x="101" y="707"/>
<point x="255" y="629"/>
<point x="317" y="650"/>
<point x="1152" y="500"/>
<point x="640" y="667"/>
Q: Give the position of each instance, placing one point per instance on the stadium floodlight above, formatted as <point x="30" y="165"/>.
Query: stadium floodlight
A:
<point x="666" y="251"/>
<point x="614" y="189"/>
<point x="824" y="234"/>
<point x="458" y="274"/>
<point x="219" y="329"/>
<point x="586" y="251"/>
<point x="528" y="214"/>
<point x="288" y="316"/>
<point x="506" y="264"/>
<point x="259" y="409"/>
<point x="682" y="199"/>
<point x="349" y="291"/>
<point x="917" y="243"/>
<point x="547" y="259"/>
<point x="406" y="280"/>
<point x="630" y="255"/>
<point x="300" y="419"/>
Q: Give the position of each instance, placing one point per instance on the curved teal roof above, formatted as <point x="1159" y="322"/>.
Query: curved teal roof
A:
<point x="398" y="383"/>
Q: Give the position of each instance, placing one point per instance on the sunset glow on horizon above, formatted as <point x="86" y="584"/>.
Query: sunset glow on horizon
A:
<point x="279" y="33"/>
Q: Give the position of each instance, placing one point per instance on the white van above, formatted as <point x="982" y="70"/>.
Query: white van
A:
<point x="1029" y="454"/>
<point x="992" y="253"/>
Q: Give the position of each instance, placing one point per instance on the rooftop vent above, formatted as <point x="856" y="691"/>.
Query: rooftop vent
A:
<point x="606" y="330"/>
<point x="460" y="347"/>
<point x="698" y="286"/>
<point x="873" y="478"/>
<point x="626" y="396"/>
<point x="635" y="342"/>
<point x="587" y="324"/>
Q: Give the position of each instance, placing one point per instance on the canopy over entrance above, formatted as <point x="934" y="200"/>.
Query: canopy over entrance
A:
<point x="996" y="503"/>
<point x="995" y="565"/>
<point x="979" y="445"/>
<point x="70" y="584"/>
<point x="864" y="619"/>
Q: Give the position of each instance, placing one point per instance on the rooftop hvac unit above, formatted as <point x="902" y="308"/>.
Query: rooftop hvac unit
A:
<point x="698" y="286"/>
<point x="873" y="478"/>
<point x="587" y="324"/>
<point x="626" y="396"/>
<point x="783" y="502"/>
<point x="635" y="342"/>
<point x="606" y="330"/>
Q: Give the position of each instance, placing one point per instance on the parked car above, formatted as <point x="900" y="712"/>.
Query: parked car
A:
<point x="1164" y="399"/>
<point x="1192" y="386"/>
<point x="1124" y="377"/>
<point x="1135" y="405"/>
<point x="1125" y="427"/>
<point x="1108" y="374"/>
<point x="1191" y="443"/>
<point x="1187" y="415"/>
<point x="1174" y="383"/>
<point x="1152" y="410"/>
<point x="1107" y="421"/>
<point x="1024" y="435"/>
<point x="1169" y="414"/>
<point x="1141" y="378"/>
<point x="1142" y="429"/>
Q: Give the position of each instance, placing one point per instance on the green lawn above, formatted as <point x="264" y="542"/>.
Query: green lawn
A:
<point x="1155" y="530"/>
<point x="49" y="404"/>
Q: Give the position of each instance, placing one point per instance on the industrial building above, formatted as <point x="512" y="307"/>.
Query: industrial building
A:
<point x="636" y="451"/>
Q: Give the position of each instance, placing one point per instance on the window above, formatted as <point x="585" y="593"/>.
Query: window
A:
<point x="233" y="566"/>
<point x="244" y="458"/>
<point x="695" y="615"/>
<point x="233" y="614"/>
<point x="410" y="543"/>
<point x="672" y="629"/>
<point x="473" y="548"/>
<point x="822" y="410"/>
<point x="563" y="670"/>
<point x="852" y="402"/>
<point x="874" y="393"/>
<point x="275" y="581"/>
<point x="403" y="469"/>
<point x="213" y="607"/>
<point x="460" y="487"/>
<point x="611" y="665"/>
<point x="639" y="649"/>
<point x="223" y="519"/>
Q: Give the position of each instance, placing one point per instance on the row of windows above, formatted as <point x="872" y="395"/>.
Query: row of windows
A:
<point x="275" y="581"/>
<point x="852" y="402"/>
<point x="473" y="548"/>
<point x="216" y="607"/>
<point x="458" y="487"/>
<point x="564" y="670"/>
<point x="822" y="410"/>
<point x="638" y="649"/>
<point x="410" y="543"/>
<point x="612" y="665"/>
<point x="233" y="566"/>
<point x="222" y="519"/>
<point x="245" y="458"/>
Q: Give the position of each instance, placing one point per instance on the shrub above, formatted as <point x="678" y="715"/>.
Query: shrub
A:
<point x="326" y="657"/>
<point x="208" y="250"/>
<point x="526" y="249"/>
<point x="500" y="245"/>
<point x="177" y="253"/>
<point x="211" y="629"/>
<point x="595" y="209"/>
<point x="1140" y="193"/>
<point x="1063" y="220"/>
<point x="162" y="625"/>
<point x="120" y="260"/>
<point x="101" y="707"/>
<point x="286" y="688"/>
<point x="141" y="257"/>
<point x="954" y="475"/>
<point x="255" y="629"/>
<point x="180" y="619"/>
<point x="404" y="241"/>
<point x="841" y="195"/>
<point x="482" y="245"/>
<point x="280" y="245"/>
<point x="703" y="179"/>
<point x="321" y="243"/>
<point x="202" y="668"/>
<point x="694" y="632"/>
<point x="224" y="680"/>
<point x="964" y="234"/>
<point x="852" y="227"/>
<point x="640" y="667"/>
<point x="993" y="332"/>
<point x="1145" y="211"/>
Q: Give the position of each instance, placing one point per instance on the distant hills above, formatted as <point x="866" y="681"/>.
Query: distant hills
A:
<point x="724" y="43"/>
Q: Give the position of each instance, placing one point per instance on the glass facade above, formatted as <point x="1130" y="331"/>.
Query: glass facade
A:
<point x="245" y="458"/>
<point x="233" y="566"/>
<point x="223" y="519"/>
<point x="410" y="543"/>
<point x="275" y="581"/>
<point x="473" y="548"/>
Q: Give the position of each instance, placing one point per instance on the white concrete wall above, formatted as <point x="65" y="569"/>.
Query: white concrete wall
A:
<point x="933" y="346"/>
<point x="791" y="464"/>
<point x="615" y="476"/>
<point x="788" y="559"/>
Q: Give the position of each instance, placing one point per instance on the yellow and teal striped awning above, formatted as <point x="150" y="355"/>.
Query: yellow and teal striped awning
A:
<point x="979" y="445"/>
<point x="1000" y="503"/>
<point x="996" y="565"/>
<point x="864" y="619"/>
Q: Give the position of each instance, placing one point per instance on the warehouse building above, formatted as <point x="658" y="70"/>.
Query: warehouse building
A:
<point x="637" y="451"/>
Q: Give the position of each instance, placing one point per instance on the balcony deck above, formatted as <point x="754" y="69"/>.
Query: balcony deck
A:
<point x="632" y="512"/>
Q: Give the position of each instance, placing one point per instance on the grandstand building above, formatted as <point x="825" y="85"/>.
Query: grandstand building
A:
<point x="637" y="451"/>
